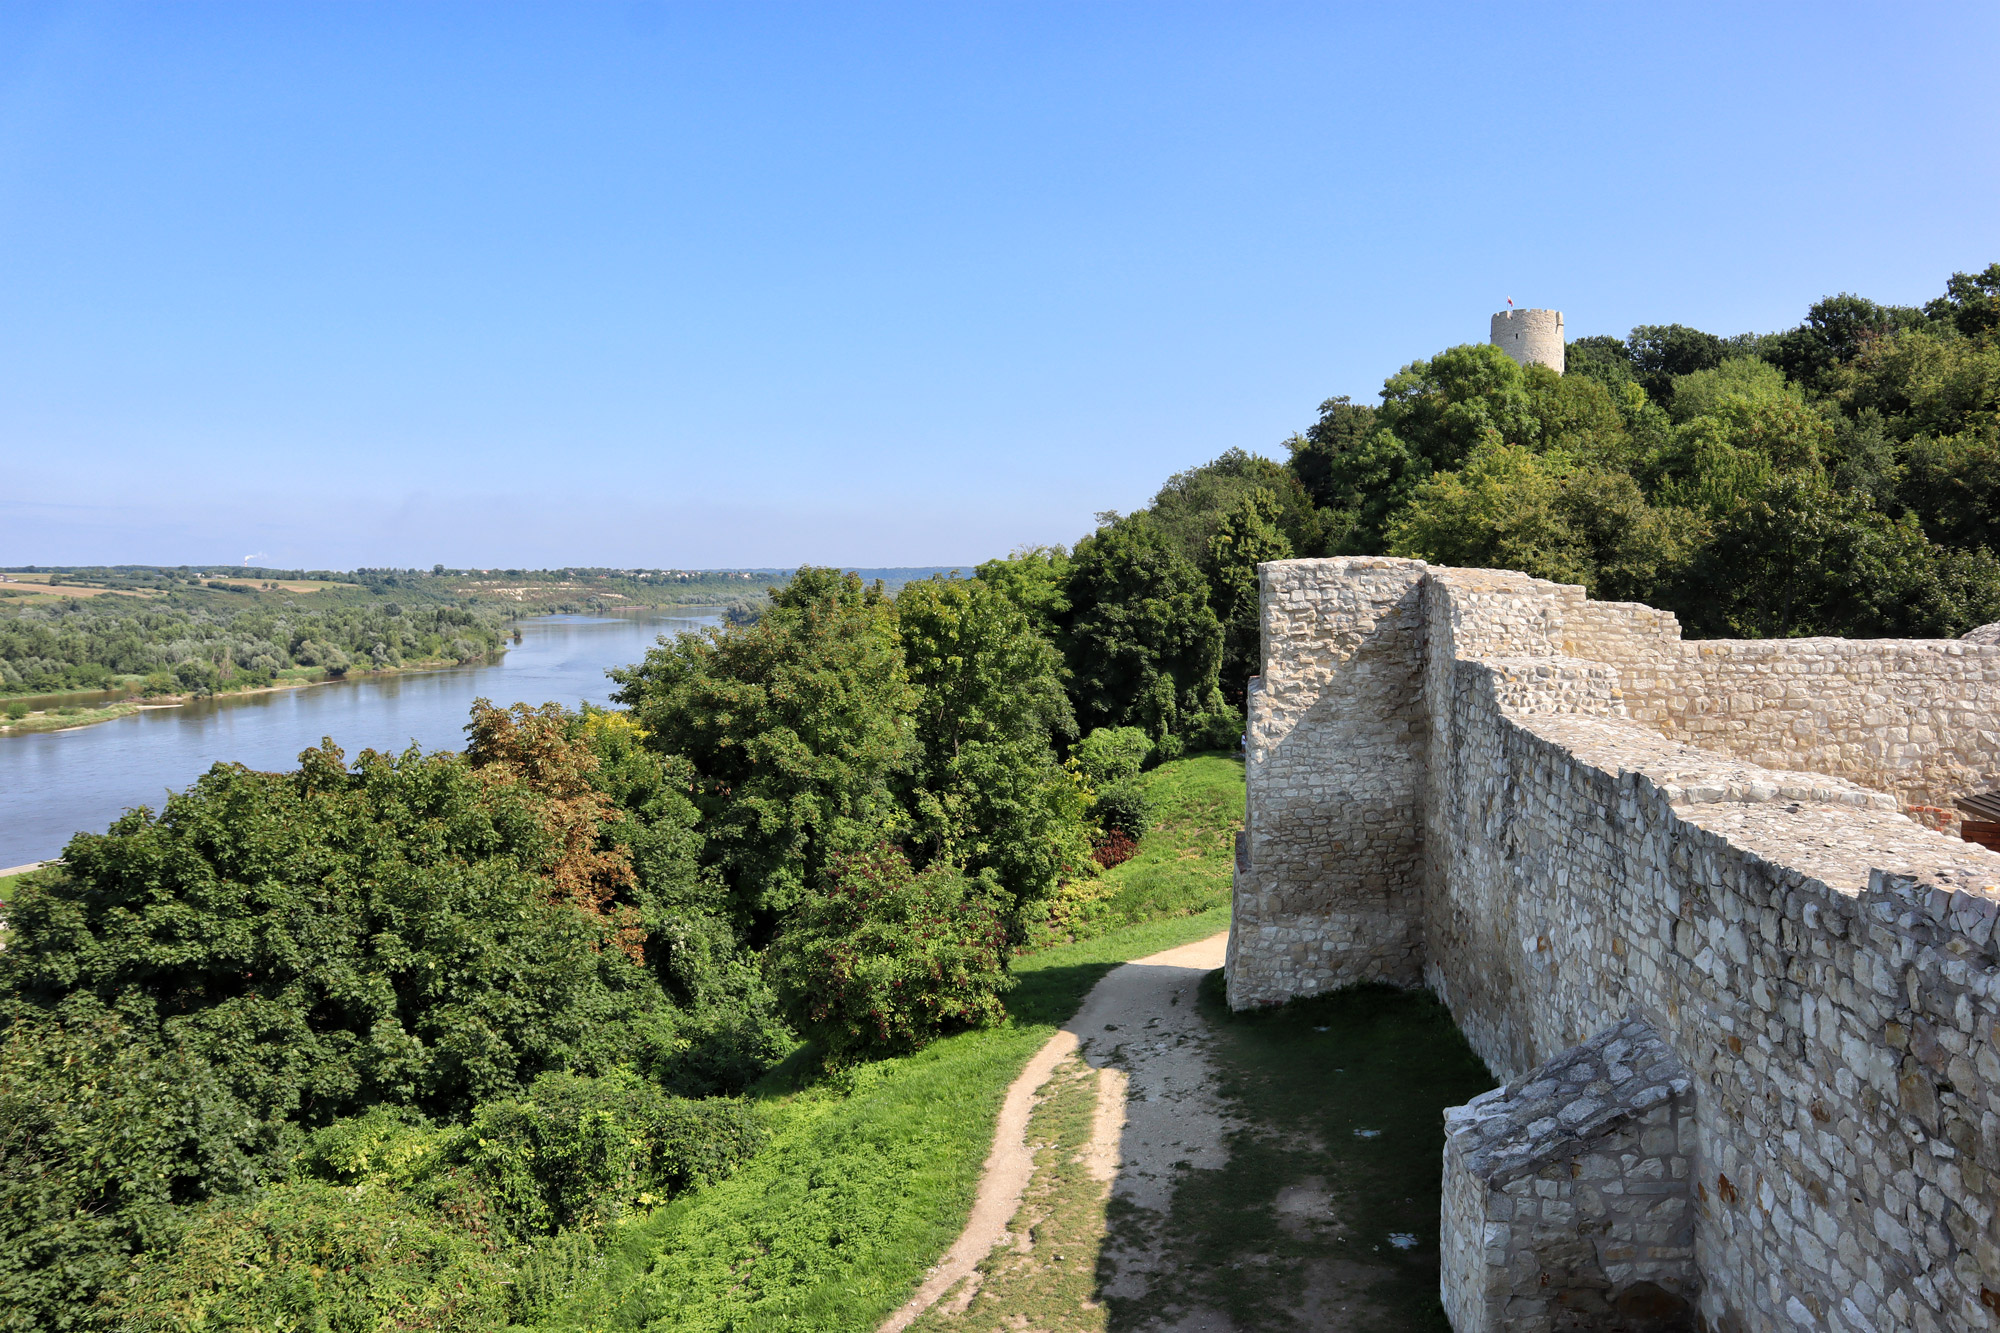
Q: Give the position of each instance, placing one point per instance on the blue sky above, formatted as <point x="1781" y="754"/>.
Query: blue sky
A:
<point x="743" y="284"/>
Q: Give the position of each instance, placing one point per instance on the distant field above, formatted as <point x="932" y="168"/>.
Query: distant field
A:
<point x="284" y="585"/>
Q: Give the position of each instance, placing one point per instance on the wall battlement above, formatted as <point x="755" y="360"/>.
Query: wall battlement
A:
<point x="1569" y="823"/>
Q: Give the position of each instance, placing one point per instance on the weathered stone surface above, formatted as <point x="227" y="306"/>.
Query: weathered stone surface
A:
<point x="1568" y="1194"/>
<point x="1559" y="816"/>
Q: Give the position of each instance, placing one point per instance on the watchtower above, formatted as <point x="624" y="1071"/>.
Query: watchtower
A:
<point x="1531" y="337"/>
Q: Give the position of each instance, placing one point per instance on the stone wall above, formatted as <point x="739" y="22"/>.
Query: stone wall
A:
<point x="1919" y="718"/>
<point x="1821" y="966"/>
<point x="1568" y="1194"/>
<point x="1327" y="870"/>
<point x="1531" y="336"/>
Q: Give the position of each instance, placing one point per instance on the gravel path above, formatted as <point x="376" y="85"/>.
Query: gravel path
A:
<point x="1155" y="1113"/>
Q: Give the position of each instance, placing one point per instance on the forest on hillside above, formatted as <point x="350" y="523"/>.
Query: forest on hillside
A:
<point x="194" y="631"/>
<point x="403" y="1040"/>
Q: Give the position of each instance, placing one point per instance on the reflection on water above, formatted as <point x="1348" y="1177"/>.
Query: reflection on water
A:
<point x="54" y="783"/>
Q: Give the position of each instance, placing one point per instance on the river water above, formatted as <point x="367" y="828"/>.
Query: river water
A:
<point x="56" y="782"/>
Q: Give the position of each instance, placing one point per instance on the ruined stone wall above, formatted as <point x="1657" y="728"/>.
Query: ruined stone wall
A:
<point x="1327" y="872"/>
<point x="1919" y="718"/>
<point x="1822" y="967"/>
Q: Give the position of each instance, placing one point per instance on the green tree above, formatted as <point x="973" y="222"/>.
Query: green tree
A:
<point x="1836" y="330"/>
<point x="1443" y="408"/>
<point x="1971" y="303"/>
<point x="1190" y="507"/>
<point x="104" y="1133"/>
<point x="1803" y="558"/>
<point x="885" y="961"/>
<point x="1315" y="456"/>
<point x="1509" y="508"/>
<point x="986" y="792"/>
<point x="1142" y="645"/>
<point x="1247" y="536"/>
<point x="1661" y="352"/>
<point x="1035" y="579"/>
<point x="1602" y="358"/>
<point x="798" y="728"/>
<point x="325" y="939"/>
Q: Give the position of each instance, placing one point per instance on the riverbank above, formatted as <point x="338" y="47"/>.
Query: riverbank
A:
<point x="70" y="717"/>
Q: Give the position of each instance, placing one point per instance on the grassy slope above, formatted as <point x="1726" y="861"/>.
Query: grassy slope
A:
<point x="833" y="1225"/>
<point x="1184" y="864"/>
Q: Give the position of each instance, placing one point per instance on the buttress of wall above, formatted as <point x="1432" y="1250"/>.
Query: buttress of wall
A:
<point x="1824" y="967"/>
<point x="1919" y="718"/>
<point x="1327" y="877"/>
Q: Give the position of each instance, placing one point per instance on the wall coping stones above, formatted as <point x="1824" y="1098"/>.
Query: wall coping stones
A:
<point x="1622" y="1072"/>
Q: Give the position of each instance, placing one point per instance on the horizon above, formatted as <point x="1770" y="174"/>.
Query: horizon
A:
<point x="704" y="287"/>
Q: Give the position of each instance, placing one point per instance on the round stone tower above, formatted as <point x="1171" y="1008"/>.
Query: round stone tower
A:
<point x="1531" y="337"/>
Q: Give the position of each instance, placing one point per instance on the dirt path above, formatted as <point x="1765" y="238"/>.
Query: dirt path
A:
<point x="1154" y="1116"/>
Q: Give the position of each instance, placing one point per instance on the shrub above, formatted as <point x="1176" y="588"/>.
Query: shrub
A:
<point x="1123" y="807"/>
<point x="309" y="1255"/>
<point x="17" y="710"/>
<point x="1220" y="729"/>
<point x="1109" y="754"/>
<point x="101" y="1135"/>
<point x="578" y="1152"/>
<point x="160" y="682"/>
<point x="885" y="961"/>
<point x="1115" y="848"/>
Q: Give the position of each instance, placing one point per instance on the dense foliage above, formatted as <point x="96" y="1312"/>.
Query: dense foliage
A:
<point x="199" y="996"/>
<point x="884" y="961"/>
<point x="1836" y="478"/>
<point x="204" y="641"/>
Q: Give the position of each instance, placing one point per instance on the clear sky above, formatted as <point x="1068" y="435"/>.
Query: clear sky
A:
<point x="758" y="284"/>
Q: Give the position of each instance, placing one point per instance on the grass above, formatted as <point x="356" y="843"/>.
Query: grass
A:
<point x="58" y="720"/>
<point x="1327" y="1214"/>
<point x="1184" y="863"/>
<point x="1052" y="1280"/>
<point x="865" y="1185"/>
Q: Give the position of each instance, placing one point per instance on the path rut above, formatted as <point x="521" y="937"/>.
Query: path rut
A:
<point x="1139" y="1028"/>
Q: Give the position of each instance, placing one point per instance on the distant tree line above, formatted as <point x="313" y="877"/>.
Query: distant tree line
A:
<point x="217" y="642"/>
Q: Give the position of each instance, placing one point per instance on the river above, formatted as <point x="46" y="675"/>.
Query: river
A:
<point x="57" y="782"/>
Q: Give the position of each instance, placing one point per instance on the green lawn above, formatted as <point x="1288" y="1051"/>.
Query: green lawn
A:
<point x="1184" y="864"/>
<point x="864" y="1186"/>
<point x="8" y="883"/>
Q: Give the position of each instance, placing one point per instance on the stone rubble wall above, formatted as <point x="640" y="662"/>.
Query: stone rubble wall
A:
<point x="1568" y="1194"/>
<point x="1328" y="866"/>
<point x="1823" y="967"/>
<point x="1918" y="718"/>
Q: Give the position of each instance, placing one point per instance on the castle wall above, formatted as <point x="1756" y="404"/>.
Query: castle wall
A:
<point x="1919" y="718"/>
<point x="1821" y="966"/>
<point x="1327" y="870"/>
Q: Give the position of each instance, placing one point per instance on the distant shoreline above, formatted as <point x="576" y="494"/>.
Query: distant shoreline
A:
<point x="48" y="720"/>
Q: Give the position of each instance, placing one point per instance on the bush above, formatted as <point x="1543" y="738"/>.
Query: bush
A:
<point x="159" y="682"/>
<point x="1124" y="807"/>
<point x="578" y="1152"/>
<point x="309" y="1255"/>
<point x="885" y="961"/>
<point x="17" y="710"/>
<point x="1110" y="754"/>
<point x="101" y="1135"/>
<point x="1221" y="729"/>
<point x="1115" y="849"/>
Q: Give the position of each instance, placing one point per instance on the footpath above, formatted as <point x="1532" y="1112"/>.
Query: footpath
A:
<point x="1139" y="1045"/>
